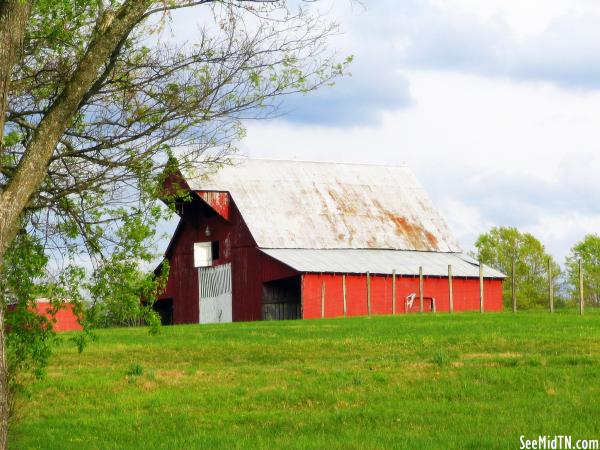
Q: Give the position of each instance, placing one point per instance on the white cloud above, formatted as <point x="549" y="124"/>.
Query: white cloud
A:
<point x="558" y="42"/>
<point x="495" y="104"/>
<point x="458" y="36"/>
<point x="560" y="232"/>
<point x="525" y="17"/>
<point x="465" y="221"/>
<point x="489" y="152"/>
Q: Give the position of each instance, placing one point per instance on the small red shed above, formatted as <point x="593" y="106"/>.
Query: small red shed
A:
<point x="61" y="315"/>
<point x="272" y="239"/>
<point x="64" y="319"/>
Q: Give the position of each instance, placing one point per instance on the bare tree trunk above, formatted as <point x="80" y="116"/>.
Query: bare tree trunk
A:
<point x="31" y="170"/>
<point x="13" y="19"/>
<point x="13" y="16"/>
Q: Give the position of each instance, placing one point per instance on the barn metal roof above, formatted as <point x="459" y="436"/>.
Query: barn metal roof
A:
<point x="380" y="262"/>
<point x="321" y="205"/>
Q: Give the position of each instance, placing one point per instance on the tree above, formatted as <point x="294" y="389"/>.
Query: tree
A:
<point x="92" y="113"/>
<point x="501" y="246"/>
<point x="588" y="251"/>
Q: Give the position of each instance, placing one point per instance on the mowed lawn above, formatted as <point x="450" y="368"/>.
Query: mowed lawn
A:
<point x="418" y="381"/>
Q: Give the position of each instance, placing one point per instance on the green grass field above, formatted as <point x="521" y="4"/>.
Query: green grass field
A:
<point x="463" y="381"/>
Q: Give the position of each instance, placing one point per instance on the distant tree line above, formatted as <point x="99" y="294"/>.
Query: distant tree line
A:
<point x="503" y="247"/>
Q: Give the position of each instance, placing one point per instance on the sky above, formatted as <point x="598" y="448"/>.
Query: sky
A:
<point x="495" y="105"/>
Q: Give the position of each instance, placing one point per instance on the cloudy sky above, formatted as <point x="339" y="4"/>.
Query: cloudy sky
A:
<point x="494" y="104"/>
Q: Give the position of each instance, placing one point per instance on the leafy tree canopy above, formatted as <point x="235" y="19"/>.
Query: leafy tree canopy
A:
<point x="500" y="246"/>
<point x="97" y="106"/>
<point x="588" y="251"/>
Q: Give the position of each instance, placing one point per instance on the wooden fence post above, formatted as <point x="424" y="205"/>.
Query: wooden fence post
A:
<point x="481" y="308"/>
<point x="322" y="300"/>
<point x="394" y="292"/>
<point x="450" y="290"/>
<point x="344" y="294"/>
<point x="550" y="285"/>
<point x="513" y="282"/>
<point x="369" y="292"/>
<point x="581" y="286"/>
<point x="420" y="289"/>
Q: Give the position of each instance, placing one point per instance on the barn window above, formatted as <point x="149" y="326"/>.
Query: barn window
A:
<point x="215" y="250"/>
<point x="203" y="254"/>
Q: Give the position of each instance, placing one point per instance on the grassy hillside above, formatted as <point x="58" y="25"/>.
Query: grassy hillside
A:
<point x="463" y="381"/>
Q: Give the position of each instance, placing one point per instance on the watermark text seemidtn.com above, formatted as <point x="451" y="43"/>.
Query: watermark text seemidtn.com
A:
<point x="558" y="442"/>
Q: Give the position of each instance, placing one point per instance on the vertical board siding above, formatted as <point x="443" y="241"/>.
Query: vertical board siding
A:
<point x="281" y="311"/>
<point x="182" y="285"/>
<point x="246" y="284"/>
<point x="334" y="297"/>
<point x="219" y="201"/>
<point x="65" y="318"/>
<point x="466" y="294"/>
<point x="357" y="295"/>
<point x="249" y="267"/>
<point x="381" y="295"/>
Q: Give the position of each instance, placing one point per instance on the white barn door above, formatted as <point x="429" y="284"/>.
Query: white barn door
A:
<point x="215" y="294"/>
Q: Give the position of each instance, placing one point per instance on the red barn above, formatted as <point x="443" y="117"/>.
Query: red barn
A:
<point x="270" y="239"/>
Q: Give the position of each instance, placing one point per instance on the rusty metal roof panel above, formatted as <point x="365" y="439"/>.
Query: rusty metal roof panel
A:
<point x="320" y="205"/>
<point x="380" y="262"/>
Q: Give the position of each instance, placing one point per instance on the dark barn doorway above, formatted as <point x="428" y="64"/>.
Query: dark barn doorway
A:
<point x="281" y="299"/>
<point x="164" y="308"/>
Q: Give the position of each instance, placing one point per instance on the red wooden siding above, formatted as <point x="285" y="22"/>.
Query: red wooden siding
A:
<point x="182" y="285"/>
<point x="466" y="294"/>
<point x="65" y="318"/>
<point x="249" y="267"/>
<point x="219" y="201"/>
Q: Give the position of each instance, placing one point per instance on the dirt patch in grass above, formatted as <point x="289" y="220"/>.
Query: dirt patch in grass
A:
<point x="491" y="355"/>
<point x="170" y="377"/>
<point x="149" y="386"/>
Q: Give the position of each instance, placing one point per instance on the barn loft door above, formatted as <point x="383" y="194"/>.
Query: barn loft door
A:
<point x="215" y="294"/>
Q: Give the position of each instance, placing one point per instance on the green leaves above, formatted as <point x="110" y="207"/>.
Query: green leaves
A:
<point x="24" y="264"/>
<point x="500" y="246"/>
<point x="122" y="292"/>
<point x="588" y="250"/>
<point x="118" y="288"/>
<point x="29" y="340"/>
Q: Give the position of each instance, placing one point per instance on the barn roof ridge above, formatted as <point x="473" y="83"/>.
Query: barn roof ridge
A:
<point x="315" y="161"/>
<point x="457" y="252"/>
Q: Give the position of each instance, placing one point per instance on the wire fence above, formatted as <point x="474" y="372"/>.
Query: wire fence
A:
<point x="550" y="287"/>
